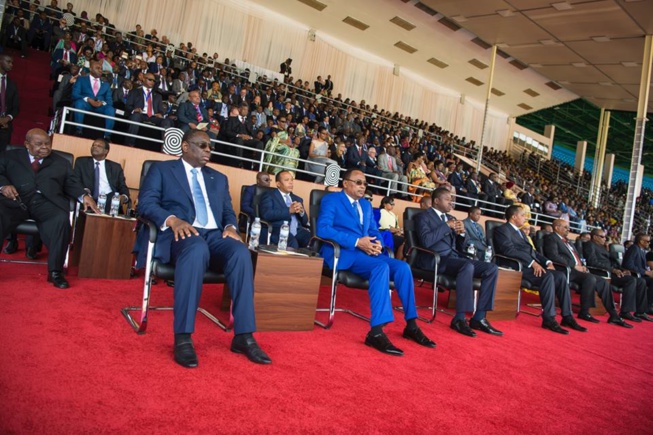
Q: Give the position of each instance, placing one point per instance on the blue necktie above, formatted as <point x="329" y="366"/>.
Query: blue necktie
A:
<point x="96" y="181"/>
<point x="198" y="199"/>
<point x="359" y="211"/>
<point x="293" y="218"/>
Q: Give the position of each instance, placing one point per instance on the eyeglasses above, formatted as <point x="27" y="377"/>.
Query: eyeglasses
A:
<point x="599" y="236"/>
<point x="203" y="145"/>
<point x="357" y="182"/>
<point x="391" y="203"/>
<point x="149" y="79"/>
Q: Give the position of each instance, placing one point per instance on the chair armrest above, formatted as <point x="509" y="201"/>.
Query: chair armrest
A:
<point x="152" y="228"/>
<point x="426" y="251"/>
<point x="562" y="268"/>
<point x="506" y="261"/>
<point x="333" y="243"/>
<point x="600" y="272"/>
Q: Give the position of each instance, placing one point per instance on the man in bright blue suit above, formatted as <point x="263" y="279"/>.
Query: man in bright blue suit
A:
<point x="190" y="203"/>
<point x="92" y="94"/>
<point x="349" y="221"/>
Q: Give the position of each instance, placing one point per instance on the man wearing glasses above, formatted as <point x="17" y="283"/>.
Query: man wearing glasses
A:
<point x="349" y="221"/>
<point x="190" y="203"/>
<point x="635" y="261"/>
<point x="36" y="184"/>
<point x="145" y="105"/>
<point x="633" y="297"/>
<point x="558" y="249"/>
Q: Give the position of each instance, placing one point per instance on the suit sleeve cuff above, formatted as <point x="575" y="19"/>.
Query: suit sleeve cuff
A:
<point x="164" y="226"/>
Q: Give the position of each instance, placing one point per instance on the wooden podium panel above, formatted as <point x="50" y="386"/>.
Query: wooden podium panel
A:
<point x="106" y="246"/>
<point x="506" y="296"/>
<point x="285" y="291"/>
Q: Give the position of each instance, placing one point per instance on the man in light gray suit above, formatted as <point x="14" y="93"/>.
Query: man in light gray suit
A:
<point x="387" y="163"/>
<point x="474" y="234"/>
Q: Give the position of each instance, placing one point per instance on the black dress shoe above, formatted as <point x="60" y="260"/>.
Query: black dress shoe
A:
<point x="185" y="354"/>
<point x="629" y="316"/>
<point x="250" y="348"/>
<point x="570" y="322"/>
<point x="616" y="320"/>
<point x="463" y="327"/>
<point x="643" y="316"/>
<point x="418" y="337"/>
<point x="382" y="343"/>
<point x="484" y="325"/>
<point x="588" y="317"/>
<point x="552" y="325"/>
<point x="11" y="247"/>
<point x="31" y="253"/>
<point x="57" y="279"/>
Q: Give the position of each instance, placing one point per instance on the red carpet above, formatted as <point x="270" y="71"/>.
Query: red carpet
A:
<point x="70" y="363"/>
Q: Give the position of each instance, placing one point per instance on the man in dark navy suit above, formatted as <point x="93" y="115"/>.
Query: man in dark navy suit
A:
<point x="190" y="203"/>
<point x="635" y="261"/>
<point x="281" y="205"/>
<point x="438" y="231"/>
<point x="144" y="105"/>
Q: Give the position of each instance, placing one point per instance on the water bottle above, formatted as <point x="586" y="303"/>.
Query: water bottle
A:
<point x="115" y="205"/>
<point x="102" y="202"/>
<point x="471" y="250"/>
<point x="254" y="233"/>
<point x="488" y="254"/>
<point x="283" y="236"/>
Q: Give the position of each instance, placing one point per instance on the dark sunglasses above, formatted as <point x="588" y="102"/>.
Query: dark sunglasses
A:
<point x="357" y="182"/>
<point x="203" y="145"/>
<point x="149" y="79"/>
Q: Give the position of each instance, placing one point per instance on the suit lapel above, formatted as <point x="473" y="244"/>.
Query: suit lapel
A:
<point x="180" y="174"/>
<point x="352" y="209"/>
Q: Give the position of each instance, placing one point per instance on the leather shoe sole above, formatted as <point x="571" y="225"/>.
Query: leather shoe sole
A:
<point x="58" y="280"/>
<point x="418" y="337"/>
<point x="251" y="350"/>
<point x="571" y="323"/>
<point x="10" y="248"/>
<point x="185" y="355"/>
<point x="555" y="327"/>
<point x="632" y="318"/>
<point x="381" y="343"/>
<point x="619" y="322"/>
<point x="588" y="318"/>
<point x="484" y="326"/>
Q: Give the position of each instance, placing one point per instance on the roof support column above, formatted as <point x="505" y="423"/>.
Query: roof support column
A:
<point x="642" y="105"/>
<point x="479" y="156"/>
<point x="599" y="156"/>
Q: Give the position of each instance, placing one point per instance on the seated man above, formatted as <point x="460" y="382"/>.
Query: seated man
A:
<point x="350" y="222"/>
<point x="190" y="203"/>
<point x="91" y="94"/>
<point x="474" y="234"/>
<point x="263" y="180"/>
<point x="37" y="184"/>
<point x="281" y="205"/>
<point x="238" y="130"/>
<point x="558" y="249"/>
<point x="145" y="105"/>
<point x="510" y="241"/>
<point x="633" y="296"/>
<point x="438" y="231"/>
<point x="192" y="115"/>
<point x="635" y="261"/>
<point x="101" y="176"/>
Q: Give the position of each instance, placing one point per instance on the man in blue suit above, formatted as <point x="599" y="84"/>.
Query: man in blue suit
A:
<point x="635" y="261"/>
<point x="191" y="205"/>
<point x="438" y="231"/>
<point x="282" y="205"/>
<point x="90" y="93"/>
<point x="349" y="221"/>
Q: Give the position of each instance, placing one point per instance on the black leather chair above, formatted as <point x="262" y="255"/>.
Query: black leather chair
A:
<point x="164" y="271"/>
<point x="512" y="263"/>
<point x="617" y="252"/>
<point x="29" y="228"/>
<point x="603" y="273"/>
<point x="346" y="278"/>
<point x="539" y="241"/>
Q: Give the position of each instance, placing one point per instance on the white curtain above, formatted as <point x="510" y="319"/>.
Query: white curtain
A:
<point x="248" y="32"/>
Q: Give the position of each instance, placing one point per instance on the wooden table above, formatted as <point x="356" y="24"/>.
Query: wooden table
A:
<point x="285" y="291"/>
<point x="506" y="297"/>
<point x="103" y="246"/>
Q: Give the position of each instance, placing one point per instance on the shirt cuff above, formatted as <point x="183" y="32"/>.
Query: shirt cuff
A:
<point x="231" y="225"/>
<point x="164" y="226"/>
